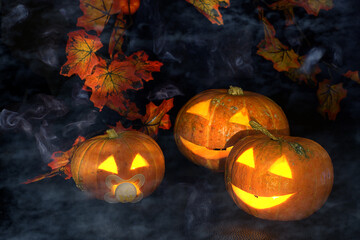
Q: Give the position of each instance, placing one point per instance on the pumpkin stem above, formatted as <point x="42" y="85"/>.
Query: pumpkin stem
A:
<point x="257" y="126"/>
<point x="235" y="91"/>
<point x="112" y="133"/>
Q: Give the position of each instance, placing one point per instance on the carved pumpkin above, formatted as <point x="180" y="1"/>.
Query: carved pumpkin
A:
<point x="278" y="178"/>
<point x="129" y="7"/>
<point x="210" y="119"/>
<point x="118" y="167"/>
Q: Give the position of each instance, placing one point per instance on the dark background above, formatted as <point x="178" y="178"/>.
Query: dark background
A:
<point x="43" y="112"/>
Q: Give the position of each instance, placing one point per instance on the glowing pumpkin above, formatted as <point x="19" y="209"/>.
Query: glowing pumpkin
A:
<point x="129" y="7"/>
<point x="118" y="167"/>
<point x="278" y="178"/>
<point x="210" y="119"/>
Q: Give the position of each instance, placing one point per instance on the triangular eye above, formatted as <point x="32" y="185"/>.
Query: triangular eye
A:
<point x="247" y="158"/>
<point x="138" y="161"/>
<point x="109" y="165"/>
<point x="241" y="117"/>
<point x="201" y="109"/>
<point x="281" y="167"/>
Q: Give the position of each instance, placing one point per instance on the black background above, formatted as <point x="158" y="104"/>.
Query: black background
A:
<point x="43" y="112"/>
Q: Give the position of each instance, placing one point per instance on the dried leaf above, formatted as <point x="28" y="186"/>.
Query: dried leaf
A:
<point x="119" y="127"/>
<point x="110" y="80"/>
<point x="288" y="8"/>
<point x="96" y="14"/>
<point x="144" y="67"/>
<point x="210" y="9"/>
<point x="299" y="76"/>
<point x="282" y="57"/>
<point x="117" y="36"/>
<point x="329" y="98"/>
<point x="353" y="75"/>
<point x="156" y="117"/>
<point x="81" y="58"/>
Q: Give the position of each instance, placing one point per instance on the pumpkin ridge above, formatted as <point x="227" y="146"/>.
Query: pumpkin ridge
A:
<point x="268" y="110"/>
<point x="221" y="97"/>
<point x="81" y="159"/>
<point x="97" y="162"/>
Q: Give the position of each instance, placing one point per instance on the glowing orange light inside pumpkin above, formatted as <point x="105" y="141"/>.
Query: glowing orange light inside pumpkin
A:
<point x="205" y="152"/>
<point x="241" y="117"/>
<point x="247" y="158"/>
<point x="109" y="165"/>
<point x="139" y="161"/>
<point x="281" y="167"/>
<point x="201" y="109"/>
<point x="259" y="202"/>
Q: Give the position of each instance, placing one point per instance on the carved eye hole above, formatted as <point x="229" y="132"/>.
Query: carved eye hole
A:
<point x="201" y="109"/>
<point x="138" y="162"/>
<point x="109" y="165"/>
<point x="241" y="117"/>
<point x="281" y="167"/>
<point x="247" y="158"/>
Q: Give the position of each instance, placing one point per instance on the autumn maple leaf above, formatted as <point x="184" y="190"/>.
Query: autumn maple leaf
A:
<point x="80" y="50"/>
<point x="329" y="98"/>
<point x="282" y="57"/>
<point x="210" y="9"/>
<point x="109" y="80"/>
<point x="117" y="36"/>
<point x="96" y="14"/>
<point x="144" y="67"/>
<point x="353" y="75"/>
<point x="156" y="117"/>
<point x="313" y="6"/>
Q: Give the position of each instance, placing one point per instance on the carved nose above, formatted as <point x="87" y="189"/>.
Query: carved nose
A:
<point x="125" y="192"/>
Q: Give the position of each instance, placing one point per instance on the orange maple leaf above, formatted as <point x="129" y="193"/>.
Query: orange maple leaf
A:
<point x="298" y="75"/>
<point x="210" y="9"/>
<point x="96" y="14"/>
<point x="282" y="57"/>
<point x="313" y="6"/>
<point x="60" y="163"/>
<point x="117" y="36"/>
<point x="156" y="117"/>
<point x="119" y="127"/>
<point x="80" y="51"/>
<point x="353" y="75"/>
<point x="329" y="98"/>
<point x="269" y="30"/>
<point x="109" y="80"/>
<point x="144" y="67"/>
<point x="124" y="107"/>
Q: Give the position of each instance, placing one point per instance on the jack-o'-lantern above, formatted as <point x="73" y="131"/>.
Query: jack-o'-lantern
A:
<point x="209" y="120"/>
<point x="278" y="178"/>
<point x="118" y="167"/>
<point x="129" y="7"/>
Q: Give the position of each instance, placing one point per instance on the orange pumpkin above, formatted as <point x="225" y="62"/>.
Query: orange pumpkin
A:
<point x="129" y="7"/>
<point x="118" y="167"/>
<point x="278" y="178"/>
<point x="210" y="119"/>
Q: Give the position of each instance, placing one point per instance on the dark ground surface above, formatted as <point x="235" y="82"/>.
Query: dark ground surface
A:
<point x="43" y="112"/>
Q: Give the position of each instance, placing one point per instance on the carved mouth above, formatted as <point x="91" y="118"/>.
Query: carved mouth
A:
<point x="204" y="151"/>
<point x="260" y="202"/>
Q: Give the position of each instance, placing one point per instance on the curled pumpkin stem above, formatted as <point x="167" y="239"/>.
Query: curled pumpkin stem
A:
<point x="257" y="126"/>
<point x="235" y="91"/>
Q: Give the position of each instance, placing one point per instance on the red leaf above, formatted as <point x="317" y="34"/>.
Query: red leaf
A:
<point x="119" y="127"/>
<point x="353" y="75"/>
<point x="210" y="9"/>
<point x="156" y="117"/>
<point x="96" y="14"/>
<point x="81" y="57"/>
<point x="144" y="67"/>
<point x="329" y="98"/>
<point x="117" y="36"/>
<point x="110" y="80"/>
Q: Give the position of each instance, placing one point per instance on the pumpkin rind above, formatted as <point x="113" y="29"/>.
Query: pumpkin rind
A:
<point x="310" y="183"/>
<point x="214" y="132"/>
<point x="124" y="147"/>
